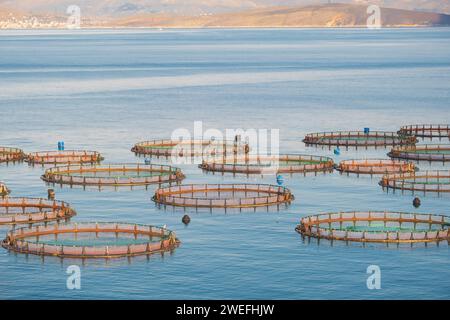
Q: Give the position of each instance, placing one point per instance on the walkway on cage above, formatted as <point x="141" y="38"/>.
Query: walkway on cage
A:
<point x="256" y="164"/>
<point x="223" y="196"/>
<point x="91" y="240"/>
<point x="8" y="154"/>
<point x="426" y="130"/>
<point x="63" y="157"/>
<point x="357" y="139"/>
<point x="377" y="226"/>
<point x="437" y="181"/>
<point x="113" y="175"/>
<point x="33" y="210"/>
<point x="426" y="152"/>
<point x="374" y="166"/>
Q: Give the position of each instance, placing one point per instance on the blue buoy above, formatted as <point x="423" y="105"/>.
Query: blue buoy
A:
<point x="60" y="145"/>
<point x="366" y="130"/>
<point x="280" y="180"/>
<point x="337" y="151"/>
<point x="147" y="161"/>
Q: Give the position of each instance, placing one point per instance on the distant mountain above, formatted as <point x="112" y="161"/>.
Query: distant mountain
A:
<point x="137" y="14"/>
<point x="332" y="15"/>
<point x="120" y="8"/>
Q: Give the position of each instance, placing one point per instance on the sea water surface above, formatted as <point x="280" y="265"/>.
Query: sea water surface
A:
<point x="106" y="90"/>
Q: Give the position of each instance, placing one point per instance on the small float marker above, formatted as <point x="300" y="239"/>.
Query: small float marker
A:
<point x="280" y="180"/>
<point x="186" y="219"/>
<point x="337" y="151"/>
<point x="366" y="130"/>
<point x="60" y="145"/>
<point x="416" y="202"/>
<point x="51" y="194"/>
<point x="147" y="161"/>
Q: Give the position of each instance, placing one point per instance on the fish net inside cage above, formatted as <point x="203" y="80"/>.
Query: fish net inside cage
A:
<point x="189" y="148"/>
<point x="113" y="175"/>
<point x="91" y="240"/>
<point x="427" y="152"/>
<point x="30" y="210"/>
<point x="377" y="227"/>
<point x="252" y="164"/>
<point x="223" y="196"/>
<point x="422" y="181"/>
<point x="427" y="130"/>
<point x="10" y="154"/>
<point x="358" y="139"/>
<point x="374" y="167"/>
<point x="63" y="157"/>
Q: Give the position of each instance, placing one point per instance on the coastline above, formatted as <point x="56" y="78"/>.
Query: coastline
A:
<point x="275" y="27"/>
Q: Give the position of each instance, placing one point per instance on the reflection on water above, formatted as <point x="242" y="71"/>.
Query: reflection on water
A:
<point x="107" y="90"/>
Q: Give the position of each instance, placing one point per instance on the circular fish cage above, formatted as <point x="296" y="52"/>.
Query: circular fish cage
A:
<point x="189" y="148"/>
<point x="427" y="152"/>
<point x="63" y="157"/>
<point x="426" y="130"/>
<point x="91" y="240"/>
<point x="4" y="191"/>
<point x="423" y="181"/>
<point x="286" y="163"/>
<point x="11" y="154"/>
<point x="375" y="167"/>
<point x="384" y="227"/>
<point x="113" y="175"/>
<point x="223" y="196"/>
<point x="358" y="139"/>
<point x="31" y="210"/>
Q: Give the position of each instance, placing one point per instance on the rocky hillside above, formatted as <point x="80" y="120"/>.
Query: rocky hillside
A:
<point x="325" y="15"/>
<point x="332" y="15"/>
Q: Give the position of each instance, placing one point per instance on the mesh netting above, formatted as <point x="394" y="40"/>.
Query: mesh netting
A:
<point x="374" y="166"/>
<point x="427" y="130"/>
<point x="427" y="181"/>
<point x="358" y="139"/>
<point x="427" y="152"/>
<point x="188" y="148"/>
<point x="30" y="210"/>
<point x="113" y="175"/>
<point x="10" y="154"/>
<point x="91" y="240"/>
<point x="63" y="157"/>
<point x="396" y="227"/>
<point x="223" y="195"/>
<point x="287" y="163"/>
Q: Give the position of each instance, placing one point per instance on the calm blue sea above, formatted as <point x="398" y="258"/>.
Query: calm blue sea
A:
<point x="106" y="90"/>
